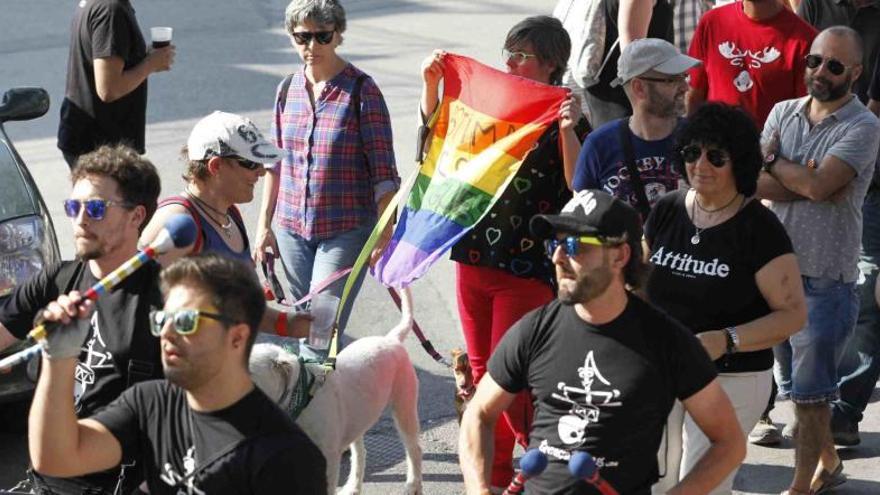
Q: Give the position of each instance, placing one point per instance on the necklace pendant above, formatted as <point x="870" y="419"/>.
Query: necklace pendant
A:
<point x="695" y="239"/>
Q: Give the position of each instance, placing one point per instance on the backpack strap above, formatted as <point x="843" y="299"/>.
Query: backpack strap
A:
<point x="629" y="156"/>
<point x="282" y="92"/>
<point x="191" y="209"/>
<point x="356" y="97"/>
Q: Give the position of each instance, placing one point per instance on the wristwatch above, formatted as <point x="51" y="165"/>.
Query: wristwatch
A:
<point x="769" y="161"/>
<point x="732" y="340"/>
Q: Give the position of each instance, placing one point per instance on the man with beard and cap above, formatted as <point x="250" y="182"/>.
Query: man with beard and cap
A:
<point x="603" y="367"/>
<point x="207" y="428"/>
<point x="631" y="158"/>
<point x="819" y="156"/>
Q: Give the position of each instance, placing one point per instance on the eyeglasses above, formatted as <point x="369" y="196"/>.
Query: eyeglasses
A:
<point x="693" y="152"/>
<point x="834" y="66"/>
<point x="683" y="78"/>
<point x="95" y="208"/>
<point x="517" y="58"/>
<point x="570" y="244"/>
<point x="243" y="162"/>
<point x="184" y="321"/>
<point x="305" y="37"/>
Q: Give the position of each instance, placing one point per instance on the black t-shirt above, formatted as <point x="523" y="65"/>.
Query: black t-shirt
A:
<point x="120" y="349"/>
<point x="502" y="239"/>
<point x="711" y="285"/>
<point x="606" y="389"/>
<point x="100" y="29"/>
<point x="659" y="27"/>
<point x="154" y="424"/>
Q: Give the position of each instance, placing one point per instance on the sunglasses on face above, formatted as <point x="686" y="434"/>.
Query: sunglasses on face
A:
<point x="684" y="78"/>
<point x="305" y="37"/>
<point x="245" y="163"/>
<point x="96" y="209"/>
<point x="834" y="66"/>
<point x="184" y="321"/>
<point x="518" y="58"/>
<point x="693" y="152"/>
<point x="570" y="245"/>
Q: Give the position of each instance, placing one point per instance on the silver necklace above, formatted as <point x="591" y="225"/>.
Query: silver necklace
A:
<point x="695" y="239"/>
<point x="226" y="229"/>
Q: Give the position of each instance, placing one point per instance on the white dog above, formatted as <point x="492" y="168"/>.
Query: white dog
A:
<point x="371" y="373"/>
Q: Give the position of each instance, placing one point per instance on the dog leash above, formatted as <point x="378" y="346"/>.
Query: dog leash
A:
<point x="274" y="291"/>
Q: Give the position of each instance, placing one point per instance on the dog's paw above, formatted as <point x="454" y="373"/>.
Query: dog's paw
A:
<point x="413" y="489"/>
<point x="348" y="491"/>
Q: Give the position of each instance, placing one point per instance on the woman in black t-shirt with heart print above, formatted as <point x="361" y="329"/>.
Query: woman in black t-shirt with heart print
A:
<point x="724" y="266"/>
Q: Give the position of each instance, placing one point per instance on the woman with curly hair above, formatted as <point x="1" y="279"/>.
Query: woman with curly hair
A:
<point x="724" y="266"/>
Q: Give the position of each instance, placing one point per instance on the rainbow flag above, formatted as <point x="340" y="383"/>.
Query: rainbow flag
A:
<point x="486" y="124"/>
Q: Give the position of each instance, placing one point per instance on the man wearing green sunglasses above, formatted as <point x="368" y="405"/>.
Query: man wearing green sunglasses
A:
<point x="204" y="429"/>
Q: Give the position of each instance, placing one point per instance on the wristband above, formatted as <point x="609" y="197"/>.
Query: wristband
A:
<point x="281" y="324"/>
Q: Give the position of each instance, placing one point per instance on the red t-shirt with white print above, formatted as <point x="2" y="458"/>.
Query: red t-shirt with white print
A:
<point x="749" y="63"/>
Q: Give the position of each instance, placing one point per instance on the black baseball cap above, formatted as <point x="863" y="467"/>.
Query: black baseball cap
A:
<point x="592" y="212"/>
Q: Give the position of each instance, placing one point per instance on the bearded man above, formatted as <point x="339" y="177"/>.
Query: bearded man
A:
<point x="603" y="367"/>
<point x="819" y="156"/>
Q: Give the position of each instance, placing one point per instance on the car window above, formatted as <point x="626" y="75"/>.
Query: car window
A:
<point x="15" y="200"/>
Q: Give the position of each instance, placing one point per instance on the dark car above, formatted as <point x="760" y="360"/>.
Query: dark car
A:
<point x="27" y="236"/>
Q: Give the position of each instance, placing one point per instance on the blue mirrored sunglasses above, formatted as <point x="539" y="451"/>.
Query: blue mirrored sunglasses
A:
<point x="95" y="208"/>
<point x="570" y="244"/>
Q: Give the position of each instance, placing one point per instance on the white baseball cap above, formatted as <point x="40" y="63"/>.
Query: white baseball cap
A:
<point x="646" y="54"/>
<point x="227" y="134"/>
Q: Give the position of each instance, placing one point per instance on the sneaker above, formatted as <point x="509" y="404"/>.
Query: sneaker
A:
<point x="765" y="433"/>
<point x="845" y="432"/>
<point x="790" y="431"/>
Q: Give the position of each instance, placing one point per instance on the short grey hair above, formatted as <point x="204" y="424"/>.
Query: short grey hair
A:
<point x="325" y="12"/>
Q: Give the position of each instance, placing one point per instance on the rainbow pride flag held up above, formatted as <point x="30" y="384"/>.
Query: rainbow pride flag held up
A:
<point x="486" y="124"/>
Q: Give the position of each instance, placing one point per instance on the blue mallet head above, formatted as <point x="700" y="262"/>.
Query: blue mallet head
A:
<point x="182" y="230"/>
<point x="582" y="465"/>
<point x="533" y="463"/>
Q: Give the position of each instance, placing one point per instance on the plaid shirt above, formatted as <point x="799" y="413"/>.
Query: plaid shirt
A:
<point x="332" y="171"/>
<point x="686" y="16"/>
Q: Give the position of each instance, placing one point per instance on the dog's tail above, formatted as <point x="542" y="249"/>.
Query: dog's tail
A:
<point x="406" y="316"/>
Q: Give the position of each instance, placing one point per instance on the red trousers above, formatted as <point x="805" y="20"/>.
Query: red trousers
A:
<point x="490" y="301"/>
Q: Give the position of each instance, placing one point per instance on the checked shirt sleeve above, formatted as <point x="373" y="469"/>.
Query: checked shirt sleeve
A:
<point x="375" y="128"/>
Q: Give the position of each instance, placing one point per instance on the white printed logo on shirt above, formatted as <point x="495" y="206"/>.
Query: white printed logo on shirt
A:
<point x="747" y="59"/>
<point x="172" y="478"/>
<point x="585" y="401"/>
<point x="94" y="359"/>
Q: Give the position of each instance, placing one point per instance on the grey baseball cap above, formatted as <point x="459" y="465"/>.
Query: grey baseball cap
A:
<point x="646" y="54"/>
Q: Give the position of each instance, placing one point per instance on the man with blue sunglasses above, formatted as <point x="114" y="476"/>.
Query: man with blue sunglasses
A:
<point x="114" y="195"/>
<point x="603" y="367"/>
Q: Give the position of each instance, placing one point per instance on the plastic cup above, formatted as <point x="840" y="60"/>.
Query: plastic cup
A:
<point x="323" y="312"/>
<point x="161" y="36"/>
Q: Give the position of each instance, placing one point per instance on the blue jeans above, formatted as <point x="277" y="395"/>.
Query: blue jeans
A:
<point x="307" y="263"/>
<point x="807" y="362"/>
<point x="861" y="364"/>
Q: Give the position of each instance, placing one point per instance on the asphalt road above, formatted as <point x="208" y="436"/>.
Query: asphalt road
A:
<point x="231" y="54"/>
